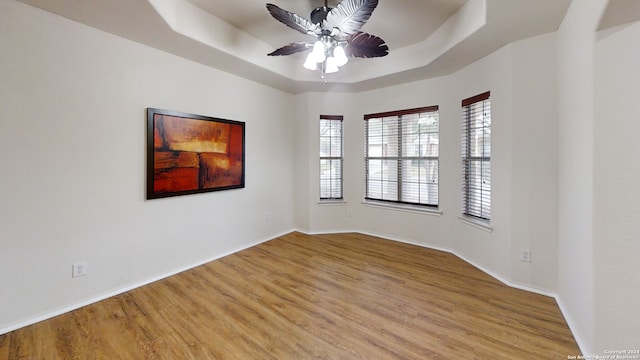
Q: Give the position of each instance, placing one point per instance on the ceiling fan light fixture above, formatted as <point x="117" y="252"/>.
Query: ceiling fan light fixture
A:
<point x="311" y="63"/>
<point x="318" y="51"/>
<point x="332" y="65"/>
<point x="340" y="56"/>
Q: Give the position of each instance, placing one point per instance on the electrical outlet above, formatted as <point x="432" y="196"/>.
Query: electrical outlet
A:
<point x="525" y="255"/>
<point x="349" y="212"/>
<point x="79" y="269"/>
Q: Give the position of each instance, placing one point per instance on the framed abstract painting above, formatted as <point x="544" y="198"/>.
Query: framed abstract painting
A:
<point x="189" y="154"/>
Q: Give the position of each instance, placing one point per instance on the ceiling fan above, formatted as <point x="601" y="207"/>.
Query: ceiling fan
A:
<point x="337" y="34"/>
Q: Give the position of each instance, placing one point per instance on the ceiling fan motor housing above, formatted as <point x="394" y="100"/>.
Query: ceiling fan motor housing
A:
<point x="319" y="14"/>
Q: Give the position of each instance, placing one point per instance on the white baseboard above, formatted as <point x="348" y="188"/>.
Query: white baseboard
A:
<point x="82" y="303"/>
<point x="573" y="327"/>
<point x="327" y="232"/>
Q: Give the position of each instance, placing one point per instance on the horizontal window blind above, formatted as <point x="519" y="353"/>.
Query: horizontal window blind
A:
<point x="402" y="156"/>
<point x="331" y="157"/>
<point x="476" y="156"/>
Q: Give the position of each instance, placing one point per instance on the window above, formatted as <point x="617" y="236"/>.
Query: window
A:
<point x="330" y="157"/>
<point x="476" y="156"/>
<point x="401" y="156"/>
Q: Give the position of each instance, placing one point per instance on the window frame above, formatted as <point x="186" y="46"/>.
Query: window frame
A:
<point x="330" y="158"/>
<point x="400" y="201"/>
<point x="480" y="212"/>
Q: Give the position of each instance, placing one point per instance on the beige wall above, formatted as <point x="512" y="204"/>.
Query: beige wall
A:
<point x="617" y="192"/>
<point x="72" y="145"/>
<point x="576" y="39"/>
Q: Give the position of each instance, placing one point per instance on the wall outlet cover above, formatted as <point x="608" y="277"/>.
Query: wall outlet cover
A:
<point x="79" y="269"/>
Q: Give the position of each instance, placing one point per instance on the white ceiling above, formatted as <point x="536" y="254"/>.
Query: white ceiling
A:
<point x="427" y="38"/>
<point x="619" y="12"/>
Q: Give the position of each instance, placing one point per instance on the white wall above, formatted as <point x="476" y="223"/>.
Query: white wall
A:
<point x="617" y="192"/>
<point x="534" y="168"/>
<point x="576" y="38"/>
<point x="521" y="78"/>
<point x="72" y="145"/>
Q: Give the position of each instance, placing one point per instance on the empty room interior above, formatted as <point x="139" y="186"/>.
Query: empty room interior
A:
<point x="463" y="185"/>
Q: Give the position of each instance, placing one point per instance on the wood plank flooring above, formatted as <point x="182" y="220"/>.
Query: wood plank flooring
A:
<point x="339" y="296"/>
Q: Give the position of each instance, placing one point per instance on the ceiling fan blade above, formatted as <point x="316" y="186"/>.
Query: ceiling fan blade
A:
<point x="290" y="49"/>
<point x="366" y="45"/>
<point x="350" y="15"/>
<point x="292" y="20"/>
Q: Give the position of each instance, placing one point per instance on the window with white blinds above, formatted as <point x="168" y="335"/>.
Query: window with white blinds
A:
<point x="476" y="156"/>
<point x="331" y="157"/>
<point x="402" y="156"/>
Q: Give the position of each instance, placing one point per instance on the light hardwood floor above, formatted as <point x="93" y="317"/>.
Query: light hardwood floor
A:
<point x="339" y="296"/>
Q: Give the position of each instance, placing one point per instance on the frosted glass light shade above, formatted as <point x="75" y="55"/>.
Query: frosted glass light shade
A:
<point x="311" y="63"/>
<point x="340" y="56"/>
<point x="332" y="65"/>
<point x="318" y="52"/>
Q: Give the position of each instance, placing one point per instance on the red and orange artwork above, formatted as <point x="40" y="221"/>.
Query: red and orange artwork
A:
<point x="191" y="154"/>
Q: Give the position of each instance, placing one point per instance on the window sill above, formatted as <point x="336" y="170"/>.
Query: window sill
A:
<point x="477" y="223"/>
<point x="406" y="208"/>
<point x="332" y="202"/>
